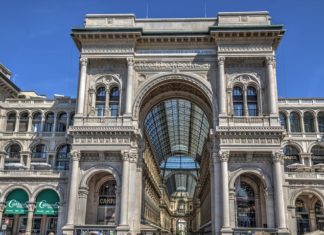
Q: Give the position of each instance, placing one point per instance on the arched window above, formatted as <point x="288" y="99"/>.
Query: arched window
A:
<point x="181" y="206"/>
<point x="294" y="122"/>
<point x="37" y="122"/>
<point x="23" y="122"/>
<point x="100" y="101"/>
<point x="114" y="102"/>
<point x="252" y="101"/>
<point x="291" y="156"/>
<point x="107" y="203"/>
<point x="309" y="122"/>
<point x="238" y="101"/>
<point x="319" y="215"/>
<point x="62" y="157"/>
<point x="302" y="217"/>
<point x="245" y="203"/>
<point x="320" y="120"/>
<point x="13" y="151"/>
<point x="317" y="154"/>
<point x="283" y="120"/>
<point x="61" y="122"/>
<point x="11" y="122"/>
<point x="49" y="122"/>
<point x="39" y="151"/>
<point x="71" y="119"/>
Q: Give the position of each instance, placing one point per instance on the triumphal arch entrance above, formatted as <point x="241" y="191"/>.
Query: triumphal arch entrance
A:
<point x="177" y="128"/>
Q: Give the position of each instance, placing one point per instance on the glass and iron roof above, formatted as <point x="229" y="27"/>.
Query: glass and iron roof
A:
<point x="176" y="126"/>
<point x="177" y="130"/>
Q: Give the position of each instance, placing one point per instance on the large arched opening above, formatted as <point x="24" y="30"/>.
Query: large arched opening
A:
<point x="176" y="116"/>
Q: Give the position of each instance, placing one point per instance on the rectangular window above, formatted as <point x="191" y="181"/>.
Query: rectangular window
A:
<point x="252" y="107"/>
<point x="238" y="109"/>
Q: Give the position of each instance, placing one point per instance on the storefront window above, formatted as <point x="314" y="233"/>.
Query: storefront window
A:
<point x="302" y="217"/>
<point x="15" y="214"/>
<point x="245" y="199"/>
<point x="107" y="203"/>
<point x="319" y="215"/>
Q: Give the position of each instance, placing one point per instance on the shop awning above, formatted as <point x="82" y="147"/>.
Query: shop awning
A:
<point x="47" y="203"/>
<point x="16" y="202"/>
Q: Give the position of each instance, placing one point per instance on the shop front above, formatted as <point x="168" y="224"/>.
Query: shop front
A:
<point x="15" y="215"/>
<point x="46" y="213"/>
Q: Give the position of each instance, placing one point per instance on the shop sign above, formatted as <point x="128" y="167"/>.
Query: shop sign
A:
<point x="47" y="203"/>
<point x="46" y="208"/>
<point x="107" y="201"/>
<point x="16" y="207"/>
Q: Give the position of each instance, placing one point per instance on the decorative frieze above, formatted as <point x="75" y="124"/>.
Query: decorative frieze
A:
<point x="231" y="48"/>
<point x="170" y="66"/>
<point x="95" y="49"/>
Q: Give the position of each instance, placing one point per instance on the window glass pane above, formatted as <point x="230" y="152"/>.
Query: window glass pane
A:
<point x="309" y="122"/>
<point x="252" y="108"/>
<point x="245" y="210"/>
<point x="23" y="122"/>
<point x="37" y="120"/>
<point x="283" y="120"/>
<point x="11" y="122"/>
<point x="294" y="122"/>
<point x="320" y="119"/>
<point x="238" y="109"/>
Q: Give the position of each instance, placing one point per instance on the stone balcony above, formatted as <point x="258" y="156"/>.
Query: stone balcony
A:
<point x="41" y="174"/>
<point x="29" y="135"/>
<point x="304" y="176"/>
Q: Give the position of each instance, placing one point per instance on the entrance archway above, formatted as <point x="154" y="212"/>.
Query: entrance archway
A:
<point x="309" y="213"/>
<point x="175" y="116"/>
<point x="102" y="203"/>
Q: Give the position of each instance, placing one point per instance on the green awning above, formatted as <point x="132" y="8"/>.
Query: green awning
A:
<point x="47" y="203"/>
<point x="16" y="202"/>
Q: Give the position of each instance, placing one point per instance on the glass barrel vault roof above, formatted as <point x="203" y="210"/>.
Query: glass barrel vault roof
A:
<point x="177" y="130"/>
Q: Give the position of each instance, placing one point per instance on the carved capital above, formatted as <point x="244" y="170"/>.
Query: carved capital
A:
<point x="221" y="60"/>
<point x="83" y="192"/>
<point x="270" y="60"/>
<point x="130" y="61"/>
<point x="75" y="155"/>
<point x="277" y="157"/>
<point x="83" y="61"/>
<point x="223" y="156"/>
<point x="31" y="206"/>
<point x="2" y="206"/>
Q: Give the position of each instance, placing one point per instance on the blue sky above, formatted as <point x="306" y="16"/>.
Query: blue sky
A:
<point x="36" y="46"/>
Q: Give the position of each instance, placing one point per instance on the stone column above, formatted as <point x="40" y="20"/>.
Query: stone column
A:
<point x="17" y="123"/>
<point x="54" y="124"/>
<point x="124" y="197"/>
<point x="288" y="122"/>
<point x="82" y="210"/>
<point x="73" y="195"/>
<point x="316" y="123"/>
<point x="2" y="162"/>
<point x="28" y="161"/>
<point x="42" y="122"/>
<point x="82" y="85"/>
<point x="31" y="207"/>
<point x="223" y="157"/>
<point x="2" y="208"/>
<point x="30" y="123"/>
<point x="107" y="108"/>
<point x="270" y="209"/>
<point x="245" y="102"/>
<point x="278" y="192"/>
<point x="215" y="173"/>
<point x="312" y="220"/>
<point x="272" y="86"/>
<point x="302" y="124"/>
<point x="222" y="86"/>
<point x="129" y="88"/>
<point x="92" y="103"/>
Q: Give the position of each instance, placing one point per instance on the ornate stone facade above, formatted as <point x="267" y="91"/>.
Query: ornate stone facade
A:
<point x="259" y="168"/>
